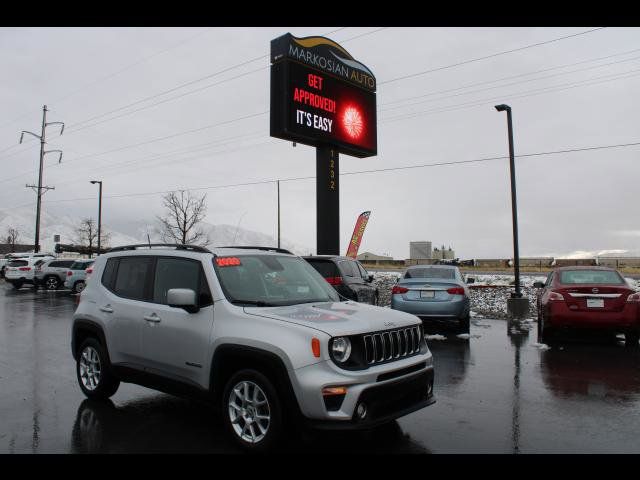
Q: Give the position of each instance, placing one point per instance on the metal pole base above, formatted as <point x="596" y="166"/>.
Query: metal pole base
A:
<point x="518" y="307"/>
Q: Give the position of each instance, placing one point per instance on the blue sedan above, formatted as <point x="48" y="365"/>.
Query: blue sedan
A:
<point x="435" y="294"/>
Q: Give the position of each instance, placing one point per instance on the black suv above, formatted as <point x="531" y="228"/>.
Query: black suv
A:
<point x="347" y="276"/>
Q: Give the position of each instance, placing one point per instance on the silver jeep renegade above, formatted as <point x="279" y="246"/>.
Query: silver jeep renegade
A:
<point x="256" y="331"/>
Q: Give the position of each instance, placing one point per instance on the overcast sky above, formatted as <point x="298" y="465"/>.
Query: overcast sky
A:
<point x="572" y="201"/>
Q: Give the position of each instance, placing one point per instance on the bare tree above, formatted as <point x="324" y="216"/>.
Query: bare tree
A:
<point x="184" y="212"/>
<point x="87" y="235"/>
<point x="12" y="237"/>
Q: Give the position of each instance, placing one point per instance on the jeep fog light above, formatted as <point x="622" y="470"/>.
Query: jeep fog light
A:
<point x="341" y="349"/>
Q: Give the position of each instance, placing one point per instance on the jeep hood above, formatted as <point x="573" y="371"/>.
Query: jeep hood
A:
<point x="338" y="318"/>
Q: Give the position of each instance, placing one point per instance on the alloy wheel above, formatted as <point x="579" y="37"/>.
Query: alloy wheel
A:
<point x="249" y="411"/>
<point x="90" y="368"/>
<point x="51" y="283"/>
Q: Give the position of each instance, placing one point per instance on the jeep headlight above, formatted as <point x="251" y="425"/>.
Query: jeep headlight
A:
<point x="341" y="349"/>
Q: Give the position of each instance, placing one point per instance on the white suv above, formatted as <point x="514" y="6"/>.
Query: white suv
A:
<point x="21" y="270"/>
<point x="257" y="331"/>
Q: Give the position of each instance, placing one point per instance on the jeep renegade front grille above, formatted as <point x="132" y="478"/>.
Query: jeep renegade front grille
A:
<point x="392" y="345"/>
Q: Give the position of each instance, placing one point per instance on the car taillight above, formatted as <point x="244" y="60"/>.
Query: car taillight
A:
<point x="455" y="291"/>
<point x="555" y="297"/>
<point x="634" y="297"/>
<point x="24" y="269"/>
<point x="398" y="289"/>
<point x="334" y="280"/>
<point x="89" y="271"/>
<point x="69" y="273"/>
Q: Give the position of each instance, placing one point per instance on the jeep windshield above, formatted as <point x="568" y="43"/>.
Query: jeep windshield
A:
<point x="271" y="280"/>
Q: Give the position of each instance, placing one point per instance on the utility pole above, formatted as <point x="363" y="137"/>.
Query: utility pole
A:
<point x="39" y="189"/>
<point x="99" y="212"/>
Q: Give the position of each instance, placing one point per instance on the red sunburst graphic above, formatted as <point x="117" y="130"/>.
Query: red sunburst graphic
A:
<point x="352" y="121"/>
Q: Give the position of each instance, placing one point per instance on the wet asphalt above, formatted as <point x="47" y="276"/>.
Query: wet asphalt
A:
<point x="497" y="392"/>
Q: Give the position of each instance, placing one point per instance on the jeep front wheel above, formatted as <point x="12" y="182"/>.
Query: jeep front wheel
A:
<point x="252" y="410"/>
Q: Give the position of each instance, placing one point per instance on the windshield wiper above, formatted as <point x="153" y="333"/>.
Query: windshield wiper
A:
<point x="257" y="303"/>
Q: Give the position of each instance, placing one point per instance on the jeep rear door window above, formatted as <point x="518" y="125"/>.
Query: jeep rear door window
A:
<point x="590" y="276"/>
<point x="175" y="273"/>
<point x="132" y="277"/>
<point x="271" y="280"/>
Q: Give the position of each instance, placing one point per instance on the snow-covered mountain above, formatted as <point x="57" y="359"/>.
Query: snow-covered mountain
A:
<point x="125" y="233"/>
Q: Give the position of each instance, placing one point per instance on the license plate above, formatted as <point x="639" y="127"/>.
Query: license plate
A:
<point x="595" y="302"/>
<point x="427" y="294"/>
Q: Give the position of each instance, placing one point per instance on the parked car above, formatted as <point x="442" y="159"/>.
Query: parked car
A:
<point x="51" y="274"/>
<point x="437" y="294"/>
<point x="20" y="271"/>
<point x="283" y="346"/>
<point x="587" y="298"/>
<point x="347" y="276"/>
<point x="76" y="275"/>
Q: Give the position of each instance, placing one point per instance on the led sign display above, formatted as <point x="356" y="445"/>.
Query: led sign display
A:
<point x="321" y="96"/>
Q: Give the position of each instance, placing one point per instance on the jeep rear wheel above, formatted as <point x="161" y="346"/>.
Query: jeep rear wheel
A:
<point x="251" y="410"/>
<point x="93" y="371"/>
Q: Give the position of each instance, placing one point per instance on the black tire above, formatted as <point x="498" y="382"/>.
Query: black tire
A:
<point x="545" y="334"/>
<point x="107" y="383"/>
<point x="51" y="282"/>
<point x="631" y="339"/>
<point x="465" y="324"/>
<point x="274" y="428"/>
<point x="78" y="286"/>
<point x="17" y="285"/>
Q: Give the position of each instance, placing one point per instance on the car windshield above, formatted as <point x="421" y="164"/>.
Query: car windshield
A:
<point x="430" y="273"/>
<point x="271" y="280"/>
<point x="591" y="277"/>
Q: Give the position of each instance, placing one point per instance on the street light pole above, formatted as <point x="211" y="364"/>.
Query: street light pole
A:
<point x="99" y="211"/>
<point x="516" y="308"/>
<point x="278" y="213"/>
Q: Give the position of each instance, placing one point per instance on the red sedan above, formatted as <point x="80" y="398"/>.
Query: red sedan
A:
<point x="588" y="298"/>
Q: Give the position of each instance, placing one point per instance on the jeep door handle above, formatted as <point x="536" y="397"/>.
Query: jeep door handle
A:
<point x="153" y="318"/>
<point x="106" y="309"/>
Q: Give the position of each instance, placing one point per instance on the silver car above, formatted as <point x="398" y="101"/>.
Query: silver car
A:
<point x="51" y="274"/>
<point x="76" y="275"/>
<point x="436" y="294"/>
<point x="256" y="331"/>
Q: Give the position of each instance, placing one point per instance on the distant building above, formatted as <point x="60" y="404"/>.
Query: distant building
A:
<point x="17" y="248"/>
<point x="368" y="256"/>
<point x="419" y="250"/>
<point x="443" y="254"/>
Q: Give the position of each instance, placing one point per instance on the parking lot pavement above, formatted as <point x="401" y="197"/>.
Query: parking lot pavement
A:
<point x="497" y="392"/>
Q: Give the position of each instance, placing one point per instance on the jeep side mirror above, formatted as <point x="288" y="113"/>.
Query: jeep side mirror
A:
<point x="538" y="284"/>
<point x="370" y="278"/>
<point x="183" y="298"/>
<point x="471" y="280"/>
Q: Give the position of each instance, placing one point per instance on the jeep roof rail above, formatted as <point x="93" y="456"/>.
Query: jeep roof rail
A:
<point x="274" y="249"/>
<point x="177" y="246"/>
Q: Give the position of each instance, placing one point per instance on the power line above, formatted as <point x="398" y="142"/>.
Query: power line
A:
<point x="505" y="85"/>
<point x="145" y="59"/>
<point x="359" y="172"/>
<point x="528" y="93"/>
<point x="124" y="107"/>
<point x="417" y="74"/>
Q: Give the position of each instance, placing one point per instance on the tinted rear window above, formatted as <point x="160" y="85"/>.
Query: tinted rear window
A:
<point x="430" y="273"/>
<point x="17" y="263"/>
<point x="325" y="268"/>
<point x="590" y="277"/>
<point x="80" y="265"/>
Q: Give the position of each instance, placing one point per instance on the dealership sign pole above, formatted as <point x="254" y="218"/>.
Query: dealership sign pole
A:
<point x="321" y="96"/>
